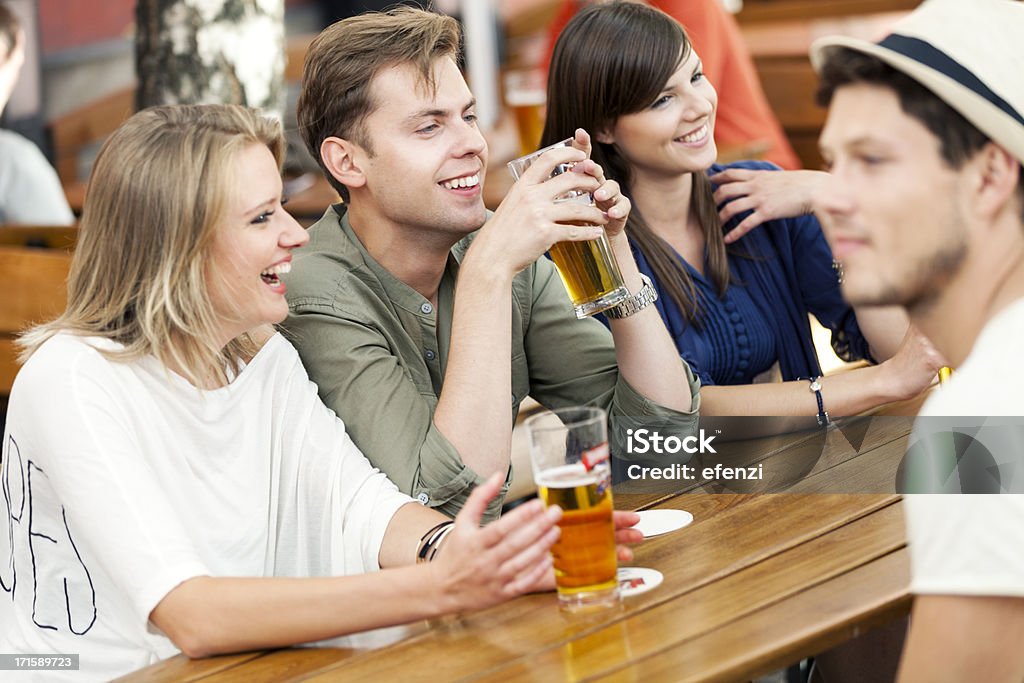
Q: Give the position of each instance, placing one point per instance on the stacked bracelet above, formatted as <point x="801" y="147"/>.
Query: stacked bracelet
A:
<point x="430" y="543"/>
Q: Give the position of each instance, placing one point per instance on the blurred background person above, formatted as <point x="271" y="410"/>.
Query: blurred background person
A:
<point x="30" y="191"/>
<point x="925" y="208"/>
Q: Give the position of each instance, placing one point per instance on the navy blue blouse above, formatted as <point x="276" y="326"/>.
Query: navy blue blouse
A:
<point x="736" y="342"/>
<point x="786" y="272"/>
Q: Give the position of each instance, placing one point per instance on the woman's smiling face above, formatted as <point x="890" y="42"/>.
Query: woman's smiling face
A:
<point x="252" y="248"/>
<point x="675" y="133"/>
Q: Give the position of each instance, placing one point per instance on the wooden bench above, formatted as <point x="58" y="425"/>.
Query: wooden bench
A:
<point x="36" y="284"/>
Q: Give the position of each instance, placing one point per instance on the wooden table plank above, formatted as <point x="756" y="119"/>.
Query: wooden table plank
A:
<point x="183" y="669"/>
<point x="750" y="530"/>
<point x="272" y="665"/>
<point x="700" y="504"/>
<point x="284" y="665"/>
<point x="720" y="605"/>
<point x="817" y="619"/>
<point x="873" y="471"/>
<point x="788" y="461"/>
<point x="768" y="544"/>
<point x="51" y="237"/>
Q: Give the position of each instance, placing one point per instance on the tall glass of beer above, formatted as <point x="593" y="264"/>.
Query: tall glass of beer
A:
<point x="525" y="95"/>
<point x="569" y="454"/>
<point x="589" y="270"/>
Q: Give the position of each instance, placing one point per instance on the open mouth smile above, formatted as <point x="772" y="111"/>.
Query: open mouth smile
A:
<point x="696" y="137"/>
<point x="466" y="182"/>
<point x="271" y="275"/>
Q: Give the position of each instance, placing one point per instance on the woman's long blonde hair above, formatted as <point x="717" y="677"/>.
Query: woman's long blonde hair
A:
<point x="155" y="199"/>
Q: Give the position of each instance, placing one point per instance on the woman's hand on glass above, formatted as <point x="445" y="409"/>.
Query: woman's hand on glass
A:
<point x="477" y="567"/>
<point x="608" y="196"/>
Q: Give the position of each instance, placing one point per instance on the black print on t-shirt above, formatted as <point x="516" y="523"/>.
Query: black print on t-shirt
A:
<point x="63" y="595"/>
<point x="13" y="485"/>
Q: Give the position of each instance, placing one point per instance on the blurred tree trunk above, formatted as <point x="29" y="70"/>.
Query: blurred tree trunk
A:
<point x="196" y="51"/>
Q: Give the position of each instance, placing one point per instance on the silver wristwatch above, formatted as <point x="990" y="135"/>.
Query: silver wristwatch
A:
<point x="635" y="302"/>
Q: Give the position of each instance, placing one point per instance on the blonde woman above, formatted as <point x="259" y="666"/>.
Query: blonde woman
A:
<point x="169" y="469"/>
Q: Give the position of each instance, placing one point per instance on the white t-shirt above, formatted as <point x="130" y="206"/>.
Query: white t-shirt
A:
<point x="122" y="480"/>
<point x="974" y="544"/>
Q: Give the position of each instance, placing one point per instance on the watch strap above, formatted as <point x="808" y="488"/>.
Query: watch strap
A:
<point x="634" y="303"/>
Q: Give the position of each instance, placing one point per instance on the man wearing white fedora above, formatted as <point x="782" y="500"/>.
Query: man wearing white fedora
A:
<point x="924" y="208"/>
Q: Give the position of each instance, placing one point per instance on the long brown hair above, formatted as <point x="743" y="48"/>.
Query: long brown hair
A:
<point x="612" y="60"/>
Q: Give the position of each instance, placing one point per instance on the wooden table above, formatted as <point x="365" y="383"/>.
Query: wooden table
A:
<point x="758" y="581"/>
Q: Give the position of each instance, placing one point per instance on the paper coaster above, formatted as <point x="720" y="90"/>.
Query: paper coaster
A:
<point x="637" y="580"/>
<point x="657" y="522"/>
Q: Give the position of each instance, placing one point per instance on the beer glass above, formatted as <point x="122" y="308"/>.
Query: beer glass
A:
<point x="569" y="455"/>
<point x="588" y="269"/>
<point x="525" y="95"/>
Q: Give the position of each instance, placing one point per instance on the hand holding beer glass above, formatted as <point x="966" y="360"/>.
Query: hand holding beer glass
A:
<point x="570" y="458"/>
<point x="588" y="270"/>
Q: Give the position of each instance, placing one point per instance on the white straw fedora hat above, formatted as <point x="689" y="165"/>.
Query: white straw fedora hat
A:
<point x="970" y="53"/>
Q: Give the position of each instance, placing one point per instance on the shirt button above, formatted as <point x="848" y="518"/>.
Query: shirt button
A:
<point x="738" y="375"/>
<point x="730" y="306"/>
<point x="744" y="353"/>
<point x="430" y="355"/>
<point x="742" y="340"/>
<point x="423" y="498"/>
<point x="744" y="364"/>
<point x="426" y="307"/>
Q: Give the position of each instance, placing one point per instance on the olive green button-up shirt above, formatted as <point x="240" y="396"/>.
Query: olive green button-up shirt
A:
<point x="377" y="350"/>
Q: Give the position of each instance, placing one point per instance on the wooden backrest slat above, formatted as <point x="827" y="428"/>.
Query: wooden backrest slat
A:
<point x="87" y="125"/>
<point x="35" y="280"/>
<point x="51" y="237"/>
<point x="36" y="291"/>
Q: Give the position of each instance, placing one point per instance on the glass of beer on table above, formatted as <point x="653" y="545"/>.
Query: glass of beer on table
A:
<point x="588" y="269"/>
<point x="570" y="459"/>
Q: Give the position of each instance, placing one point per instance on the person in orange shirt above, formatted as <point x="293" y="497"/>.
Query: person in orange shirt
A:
<point x="745" y="118"/>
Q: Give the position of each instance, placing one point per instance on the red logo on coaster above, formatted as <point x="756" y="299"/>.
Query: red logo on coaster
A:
<point x="593" y="457"/>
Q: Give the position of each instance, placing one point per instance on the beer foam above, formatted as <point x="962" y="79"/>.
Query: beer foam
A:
<point x="525" y="98"/>
<point x="569" y="476"/>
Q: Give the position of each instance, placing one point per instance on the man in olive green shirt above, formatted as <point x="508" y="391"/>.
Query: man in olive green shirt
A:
<point x="424" y="321"/>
